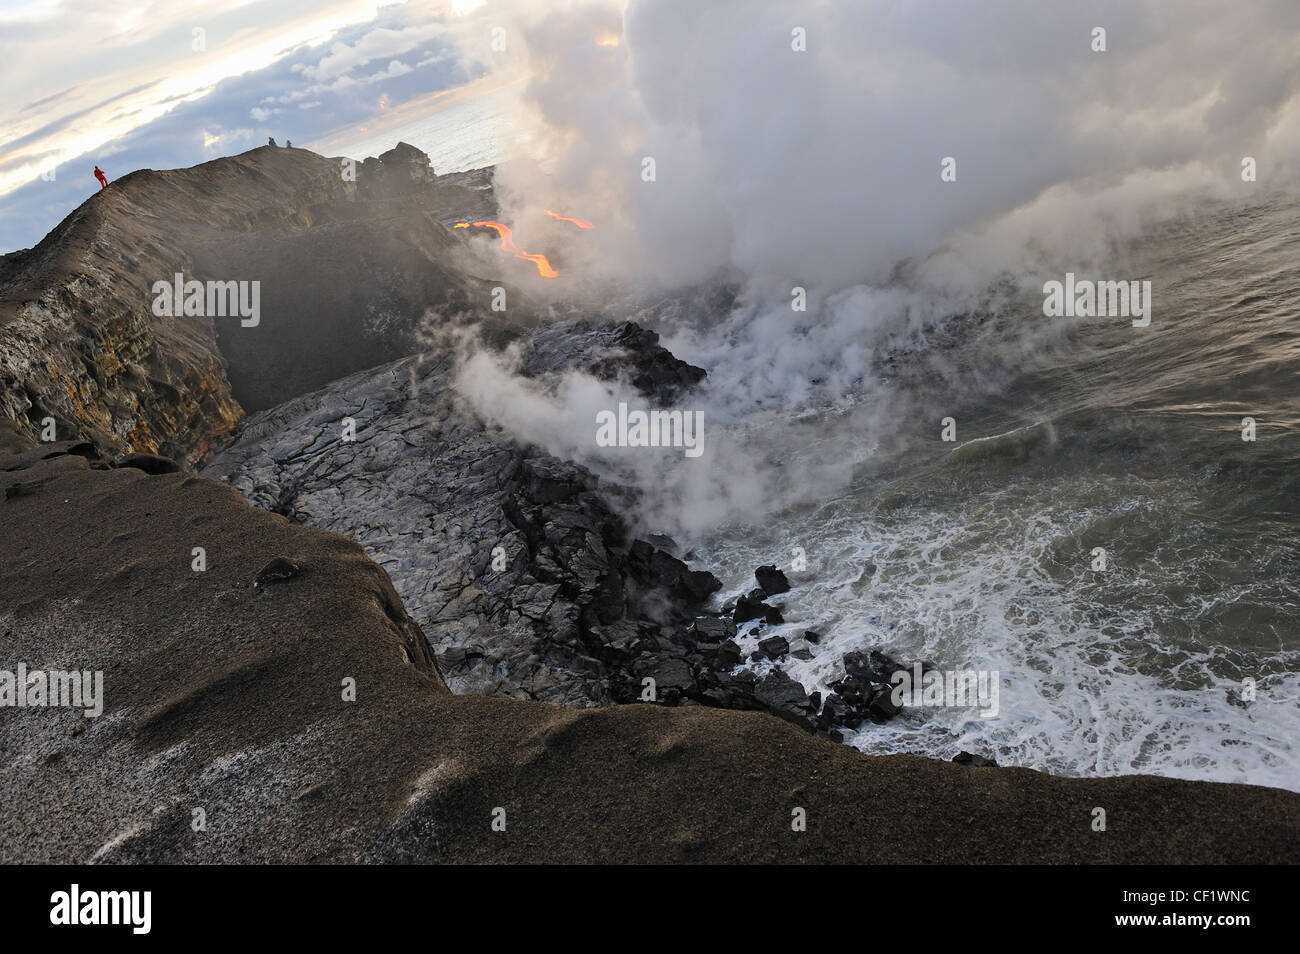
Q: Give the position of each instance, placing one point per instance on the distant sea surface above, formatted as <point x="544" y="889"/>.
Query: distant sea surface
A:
<point x="983" y="557"/>
<point x="468" y="135"/>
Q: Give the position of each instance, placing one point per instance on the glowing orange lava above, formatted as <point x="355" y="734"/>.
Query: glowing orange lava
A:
<point x="580" y="223"/>
<point x="508" y="245"/>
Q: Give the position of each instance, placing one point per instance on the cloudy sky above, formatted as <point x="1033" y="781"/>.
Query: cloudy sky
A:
<point x="168" y="83"/>
<point x="748" y="125"/>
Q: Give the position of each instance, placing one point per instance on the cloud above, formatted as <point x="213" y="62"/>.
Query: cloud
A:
<point x="375" y="44"/>
<point x="119" y="68"/>
<point x="395" y="68"/>
<point x="820" y="168"/>
<point x="231" y="115"/>
<point x="823" y="166"/>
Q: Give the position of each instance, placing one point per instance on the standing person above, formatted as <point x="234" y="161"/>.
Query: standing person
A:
<point x="103" y="179"/>
<point x="270" y="140"/>
<point x="288" y="144"/>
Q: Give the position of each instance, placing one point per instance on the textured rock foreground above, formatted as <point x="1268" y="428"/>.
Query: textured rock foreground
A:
<point x="576" y="612"/>
<point x="226" y="697"/>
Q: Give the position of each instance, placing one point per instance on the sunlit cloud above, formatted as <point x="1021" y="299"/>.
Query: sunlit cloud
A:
<point x="169" y="83"/>
<point x="185" y="76"/>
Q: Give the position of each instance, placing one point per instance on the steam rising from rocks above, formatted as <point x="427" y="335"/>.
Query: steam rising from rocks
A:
<point x="821" y="169"/>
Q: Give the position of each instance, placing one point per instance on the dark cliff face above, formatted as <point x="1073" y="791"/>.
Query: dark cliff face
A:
<point x="351" y="290"/>
<point x="346" y="265"/>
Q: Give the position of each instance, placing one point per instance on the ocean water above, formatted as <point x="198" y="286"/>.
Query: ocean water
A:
<point x="979" y="554"/>
<point x="468" y="135"/>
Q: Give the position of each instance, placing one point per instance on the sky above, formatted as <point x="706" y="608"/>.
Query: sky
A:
<point x="166" y="83"/>
<point x="842" y="131"/>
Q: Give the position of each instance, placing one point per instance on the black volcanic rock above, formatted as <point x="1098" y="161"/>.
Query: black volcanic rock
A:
<point x="402" y="171"/>
<point x="749" y="608"/>
<point x="786" y="699"/>
<point x="728" y="655"/>
<point x="508" y="558"/>
<point x="837" y="710"/>
<point x="609" y="352"/>
<point x="672" y="676"/>
<point x="864" y="692"/>
<point x="870" y="667"/>
<point x="663" y="542"/>
<point x="661" y="571"/>
<point x="713" y="629"/>
<point x="880" y="704"/>
<point x="281" y="568"/>
<point x="149" y="463"/>
<point x="974" y="761"/>
<point x="771" y="580"/>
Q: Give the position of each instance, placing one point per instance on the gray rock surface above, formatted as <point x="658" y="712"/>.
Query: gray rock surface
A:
<point x="514" y="564"/>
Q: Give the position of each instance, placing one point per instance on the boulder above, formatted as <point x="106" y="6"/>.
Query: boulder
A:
<point x="281" y="568"/>
<point x="774" y="647"/>
<point x="974" y="761"/>
<point x="786" y="698"/>
<point x="149" y="463"/>
<point x="771" y="580"/>
<point x="749" y="608"/>
<point x="713" y="629"/>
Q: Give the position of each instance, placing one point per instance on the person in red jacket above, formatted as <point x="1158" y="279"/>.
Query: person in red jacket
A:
<point x="103" y="179"/>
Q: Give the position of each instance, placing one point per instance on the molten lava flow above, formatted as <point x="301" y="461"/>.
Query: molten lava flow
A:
<point x="580" y="223"/>
<point x="508" y="245"/>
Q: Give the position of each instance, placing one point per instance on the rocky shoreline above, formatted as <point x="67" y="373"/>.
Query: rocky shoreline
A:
<point x="579" y="612"/>
<point x="256" y="715"/>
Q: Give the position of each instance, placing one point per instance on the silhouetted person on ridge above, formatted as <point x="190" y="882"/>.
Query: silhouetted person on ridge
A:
<point x="270" y="140"/>
<point x="103" y="179"/>
<point x="288" y="144"/>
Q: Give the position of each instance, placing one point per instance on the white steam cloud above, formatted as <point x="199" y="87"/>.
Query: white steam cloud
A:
<point x="820" y="168"/>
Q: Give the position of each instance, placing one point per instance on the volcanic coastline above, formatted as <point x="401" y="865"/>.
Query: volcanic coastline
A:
<point x="348" y="620"/>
